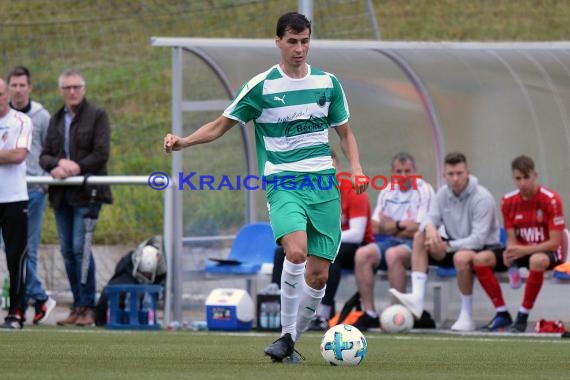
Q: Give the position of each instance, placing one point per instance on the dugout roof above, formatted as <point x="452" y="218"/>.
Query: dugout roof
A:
<point x="492" y="101"/>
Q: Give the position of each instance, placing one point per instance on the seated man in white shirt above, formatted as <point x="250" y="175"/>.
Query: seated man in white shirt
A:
<point x="398" y="212"/>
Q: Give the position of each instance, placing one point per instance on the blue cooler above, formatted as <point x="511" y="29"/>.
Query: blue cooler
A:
<point x="229" y="310"/>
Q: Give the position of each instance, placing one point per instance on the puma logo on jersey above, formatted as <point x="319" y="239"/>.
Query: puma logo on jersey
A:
<point x="279" y="99"/>
<point x="532" y="234"/>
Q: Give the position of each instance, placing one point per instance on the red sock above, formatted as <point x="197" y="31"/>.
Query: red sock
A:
<point x="532" y="288"/>
<point x="490" y="284"/>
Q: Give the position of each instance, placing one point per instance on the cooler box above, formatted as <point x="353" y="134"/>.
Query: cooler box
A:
<point x="229" y="310"/>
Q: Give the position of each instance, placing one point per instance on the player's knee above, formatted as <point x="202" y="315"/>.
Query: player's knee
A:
<point x="484" y="258"/>
<point x="463" y="259"/>
<point x="362" y="256"/>
<point x="394" y="257"/>
<point x="296" y="256"/>
<point x="317" y="280"/>
<point x="539" y="262"/>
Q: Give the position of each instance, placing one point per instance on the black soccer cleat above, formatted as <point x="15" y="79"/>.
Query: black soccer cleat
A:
<point x="295" y="358"/>
<point x="281" y="348"/>
<point x="365" y="322"/>
<point x="520" y="323"/>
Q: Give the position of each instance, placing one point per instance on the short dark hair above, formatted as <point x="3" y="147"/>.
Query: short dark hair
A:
<point x="403" y="157"/>
<point x="523" y="164"/>
<point x="18" y="71"/>
<point x="455" y="158"/>
<point x="293" y="21"/>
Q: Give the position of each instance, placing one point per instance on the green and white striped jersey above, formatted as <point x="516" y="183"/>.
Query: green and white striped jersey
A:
<point x="291" y="118"/>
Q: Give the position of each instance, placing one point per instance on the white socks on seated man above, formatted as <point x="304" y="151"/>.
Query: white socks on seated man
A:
<point x="298" y="301"/>
<point x="419" y="286"/>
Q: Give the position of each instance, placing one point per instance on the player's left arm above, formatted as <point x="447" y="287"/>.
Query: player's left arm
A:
<point x="13" y="156"/>
<point x="350" y="149"/>
<point x="18" y="152"/>
<point x="359" y="215"/>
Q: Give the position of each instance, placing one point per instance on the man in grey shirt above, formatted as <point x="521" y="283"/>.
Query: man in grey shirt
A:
<point x="468" y="213"/>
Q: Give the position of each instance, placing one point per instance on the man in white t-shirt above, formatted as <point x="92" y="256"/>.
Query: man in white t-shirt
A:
<point x="15" y="141"/>
<point x="398" y="213"/>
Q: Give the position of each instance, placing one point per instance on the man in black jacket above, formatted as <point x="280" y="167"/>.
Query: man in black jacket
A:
<point x="77" y="143"/>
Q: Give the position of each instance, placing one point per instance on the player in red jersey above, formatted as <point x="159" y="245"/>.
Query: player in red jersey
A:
<point x="534" y="221"/>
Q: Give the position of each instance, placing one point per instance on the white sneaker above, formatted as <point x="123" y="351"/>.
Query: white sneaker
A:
<point x="463" y="323"/>
<point x="409" y="301"/>
<point x="43" y="309"/>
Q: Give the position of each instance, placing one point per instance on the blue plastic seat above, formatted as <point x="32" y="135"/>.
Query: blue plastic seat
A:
<point x="253" y="246"/>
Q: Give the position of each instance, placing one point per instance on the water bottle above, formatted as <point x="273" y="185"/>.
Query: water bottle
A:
<point x="275" y="316"/>
<point x="264" y="316"/>
<point x="199" y="325"/>
<point x="6" y="294"/>
<point x="514" y="276"/>
<point x="148" y="308"/>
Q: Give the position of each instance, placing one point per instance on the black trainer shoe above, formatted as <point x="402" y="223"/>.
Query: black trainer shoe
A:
<point x="12" y="322"/>
<point x="281" y="348"/>
<point x="318" y="324"/>
<point x="501" y="322"/>
<point x="425" y="321"/>
<point x="520" y="323"/>
<point x="366" y="322"/>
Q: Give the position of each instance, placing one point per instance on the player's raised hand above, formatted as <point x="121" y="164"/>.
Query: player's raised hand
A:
<point x="171" y="143"/>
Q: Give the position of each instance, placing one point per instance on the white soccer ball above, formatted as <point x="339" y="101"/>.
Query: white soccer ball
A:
<point x="396" y="319"/>
<point x="343" y="345"/>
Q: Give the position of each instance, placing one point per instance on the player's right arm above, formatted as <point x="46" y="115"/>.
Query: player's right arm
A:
<point x="206" y="133"/>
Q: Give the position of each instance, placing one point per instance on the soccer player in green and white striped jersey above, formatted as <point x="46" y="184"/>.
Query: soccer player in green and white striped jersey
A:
<point x="292" y="106"/>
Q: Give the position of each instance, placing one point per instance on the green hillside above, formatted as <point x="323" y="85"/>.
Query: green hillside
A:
<point x="109" y="40"/>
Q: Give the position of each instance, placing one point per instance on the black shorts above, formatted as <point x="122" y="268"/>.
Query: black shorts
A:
<point x="524" y="262"/>
<point x="447" y="261"/>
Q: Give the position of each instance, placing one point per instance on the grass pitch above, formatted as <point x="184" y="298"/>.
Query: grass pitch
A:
<point x="52" y="353"/>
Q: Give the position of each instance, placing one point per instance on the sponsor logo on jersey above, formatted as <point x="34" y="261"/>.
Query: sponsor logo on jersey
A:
<point x="532" y="234"/>
<point x="558" y="220"/>
<point x="519" y="216"/>
<point x="300" y="127"/>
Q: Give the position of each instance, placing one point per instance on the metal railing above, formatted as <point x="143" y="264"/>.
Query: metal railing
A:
<point x="173" y="295"/>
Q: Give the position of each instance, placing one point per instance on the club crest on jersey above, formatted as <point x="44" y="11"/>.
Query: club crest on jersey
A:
<point x="539" y="216"/>
<point x="321" y="99"/>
